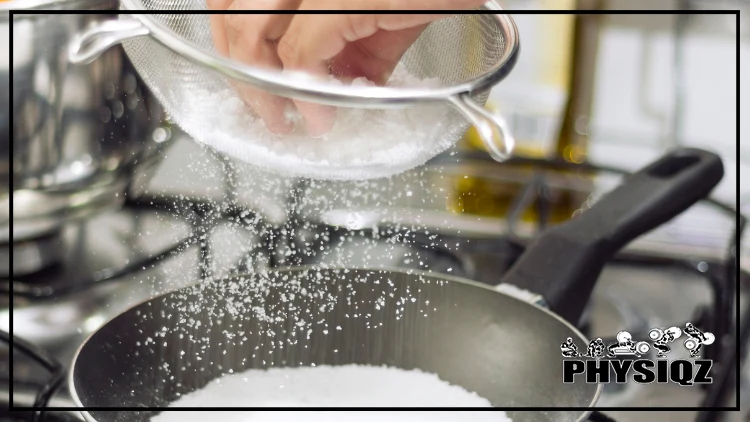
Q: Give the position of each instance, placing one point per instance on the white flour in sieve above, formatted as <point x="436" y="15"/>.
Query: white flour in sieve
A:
<point x="332" y="386"/>
<point x="363" y="144"/>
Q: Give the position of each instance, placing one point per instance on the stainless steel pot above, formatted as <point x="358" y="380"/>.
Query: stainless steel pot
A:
<point x="84" y="136"/>
<point x="505" y="349"/>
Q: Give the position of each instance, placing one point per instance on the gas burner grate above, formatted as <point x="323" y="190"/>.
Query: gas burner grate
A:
<point x="55" y="369"/>
<point x="29" y="416"/>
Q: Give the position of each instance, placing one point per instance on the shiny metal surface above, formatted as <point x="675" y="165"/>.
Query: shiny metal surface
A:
<point x="31" y="255"/>
<point x="84" y="136"/>
<point x="104" y="244"/>
<point x="500" y="41"/>
<point x="468" y="334"/>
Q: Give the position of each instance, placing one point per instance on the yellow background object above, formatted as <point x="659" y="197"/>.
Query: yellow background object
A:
<point x="554" y="51"/>
<point x="551" y="56"/>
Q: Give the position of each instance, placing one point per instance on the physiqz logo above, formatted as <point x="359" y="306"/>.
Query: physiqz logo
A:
<point x="626" y="359"/>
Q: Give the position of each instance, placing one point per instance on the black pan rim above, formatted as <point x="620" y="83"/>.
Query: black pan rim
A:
<point x="419" y="273"/>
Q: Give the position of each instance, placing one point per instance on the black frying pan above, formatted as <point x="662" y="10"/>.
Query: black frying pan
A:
<point x="505" y="349"/>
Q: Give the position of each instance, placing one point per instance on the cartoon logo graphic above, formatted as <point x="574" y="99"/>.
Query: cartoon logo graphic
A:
<point x="624" y="360"/>
<point x="569" y="349"/>
<point x="596" y="349"/>
<point x="625" y="346"/>
<point x="696" y="339"/>
<point x="662" y="338"/>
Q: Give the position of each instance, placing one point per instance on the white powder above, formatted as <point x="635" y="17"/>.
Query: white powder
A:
<point x="363" y="144"/>
<point x="332" y="386"/>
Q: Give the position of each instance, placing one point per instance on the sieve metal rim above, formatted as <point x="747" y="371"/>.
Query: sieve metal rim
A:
<point x="327" y="93"/>
<point x="491" y="127"/>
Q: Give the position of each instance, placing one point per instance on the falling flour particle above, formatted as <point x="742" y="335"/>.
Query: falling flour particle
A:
<point x="332" y="386"/>
<point x="363" y="143"/>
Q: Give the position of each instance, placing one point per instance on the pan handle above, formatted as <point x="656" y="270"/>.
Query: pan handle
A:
<point x="564" y="263"/>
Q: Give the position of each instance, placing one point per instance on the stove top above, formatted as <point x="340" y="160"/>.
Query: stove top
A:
<point x="111" y="263"/>
<point x="172" y="239"/>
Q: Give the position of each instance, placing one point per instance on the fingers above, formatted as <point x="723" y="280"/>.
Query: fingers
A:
<point x="429" y="4"/>
<point x="252" y="40"/>
<point x="367" y="45"/>
<point x="312" y="41"/>
<point x="265" y="4"/>
<point x="295" y="54"/>
<point x="218" y="4"/>
<point x="375" y="57"/>
<point x="218" y="32"/>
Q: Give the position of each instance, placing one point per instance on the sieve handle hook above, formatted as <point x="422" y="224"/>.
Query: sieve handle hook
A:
<point x="492" y="128"/>
<point x="98" y="38"/>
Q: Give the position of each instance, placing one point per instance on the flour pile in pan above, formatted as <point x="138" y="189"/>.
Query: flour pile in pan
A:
<point x="331" y="386"/>
<point x="337" y="416"/>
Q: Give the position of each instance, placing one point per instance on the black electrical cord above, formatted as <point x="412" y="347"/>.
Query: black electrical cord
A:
<point x="720" y="320"/>
<point x="55" y="368"/>
<point x="731" y="361"/>
<point x="21" y="415"/>
<point x="725" y="378"/>
<point x="599" y="417"/>
<point x="730" y="279"/>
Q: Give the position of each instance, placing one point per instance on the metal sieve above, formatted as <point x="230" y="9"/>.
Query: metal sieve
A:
<point x="175" y="55"/>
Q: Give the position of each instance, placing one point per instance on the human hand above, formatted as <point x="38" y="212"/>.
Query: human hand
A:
<point x="346" y="46"/>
